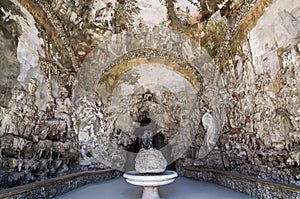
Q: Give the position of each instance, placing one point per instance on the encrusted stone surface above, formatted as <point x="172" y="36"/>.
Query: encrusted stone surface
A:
<point x="58" y="186"/>
<point x="120" y="76"/>
<point x="150" y="161"/>
<point x="261" y="137"/>
<point x="249" y="185"/>
<point x="242" y="115"/>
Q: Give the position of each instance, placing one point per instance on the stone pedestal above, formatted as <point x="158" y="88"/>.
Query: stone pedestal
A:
<point x="150" y="193"/>
<point x="150" y="182"/>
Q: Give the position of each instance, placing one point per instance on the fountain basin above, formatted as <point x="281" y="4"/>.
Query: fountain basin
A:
<point x="150" y="182"/>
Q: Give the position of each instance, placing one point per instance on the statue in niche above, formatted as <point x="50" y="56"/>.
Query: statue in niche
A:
<point x="41" y="129"/>
<point x="148" y="96"/>
<point x="32" y="86"/>
<point x="86" y="153"/>
<point x="147" y="141"/>
<point x="83" y="151"/>
<point x="89" y="123"/>
<point x="55" y="121"/>
<point x="86" y="116"/>
<point x="63" y="110"/>
<point x="211" y="136"/>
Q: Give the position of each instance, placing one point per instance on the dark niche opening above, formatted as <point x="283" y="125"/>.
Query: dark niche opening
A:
<point x="158" y="143"/>
<point x="144" y="125"/>
<point x="145" y="121"/>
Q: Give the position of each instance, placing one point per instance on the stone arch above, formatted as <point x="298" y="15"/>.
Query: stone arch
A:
<point x="124" y="52"/>
<point x="148" y="43"/>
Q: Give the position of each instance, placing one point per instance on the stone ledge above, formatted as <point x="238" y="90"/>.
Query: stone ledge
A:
<point x="245" y="184"/>
<point x="58" y="186"/>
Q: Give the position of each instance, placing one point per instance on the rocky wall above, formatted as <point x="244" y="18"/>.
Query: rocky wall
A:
<point x="248" y="185"/>
<point x="9" y="33"/>
<point x="55" y="124"/>
<point x="82" y="91"/>
<point x="58" y="186"/>
<point x="36" y="144"/>
<point x="154" y="73"/>
<point x="261" y="80"/>
<point x="262" y="137"/>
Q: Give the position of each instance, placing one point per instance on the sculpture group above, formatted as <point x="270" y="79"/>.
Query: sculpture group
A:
<point x="37" y="143"/>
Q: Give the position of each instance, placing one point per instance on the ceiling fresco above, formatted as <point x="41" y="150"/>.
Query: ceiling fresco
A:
<point x="67" y="30"/>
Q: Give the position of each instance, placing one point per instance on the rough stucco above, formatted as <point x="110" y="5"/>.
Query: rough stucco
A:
<point x="242" y="114"/>
<point x="109" y="80"/>
<point x="261" y="84"/>
<point x="274" y="30"/>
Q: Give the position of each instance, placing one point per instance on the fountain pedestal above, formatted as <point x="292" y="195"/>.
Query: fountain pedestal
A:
<point x="150" y="192"/>
<point x="150" y="182"/>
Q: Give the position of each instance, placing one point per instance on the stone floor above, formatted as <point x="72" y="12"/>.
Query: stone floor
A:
<point x="185" y="188"/>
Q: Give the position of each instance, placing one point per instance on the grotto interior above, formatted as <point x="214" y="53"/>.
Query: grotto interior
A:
<point x="217" y="82"/>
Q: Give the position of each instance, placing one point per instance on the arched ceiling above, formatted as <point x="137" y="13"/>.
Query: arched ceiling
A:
<point x="74" y="28"/>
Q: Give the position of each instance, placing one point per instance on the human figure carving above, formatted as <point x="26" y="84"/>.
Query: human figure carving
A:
<point x="41" y="129"/>
<point x="83" y="152"/>
<point x="147" y="141"/>
<point x="63" y="110"/>
<point x="211" y="136"/>
<point x="11" y="120"/>
<point x="32" y="86"/>
<point x="103" y="17"/>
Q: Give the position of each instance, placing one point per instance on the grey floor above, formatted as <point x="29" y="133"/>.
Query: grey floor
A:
<point x="182" y="188"/>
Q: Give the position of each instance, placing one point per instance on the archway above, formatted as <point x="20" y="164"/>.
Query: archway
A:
<point x="181" y="76"/>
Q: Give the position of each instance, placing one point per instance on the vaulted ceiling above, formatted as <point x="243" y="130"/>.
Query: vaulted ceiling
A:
<point x="73" y="28"/>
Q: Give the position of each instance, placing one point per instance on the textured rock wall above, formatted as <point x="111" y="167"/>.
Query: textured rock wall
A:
<point x="68" y="113"/>
<point x="176" y="74"/>
<point x="262" y="86"/>
<point x="35" y="144"/>
<point x="57" y="186"/>
<point x="45" y="134"/>
<point x="245" y="184"/>
<point x="36" y="133"/>
<point x="10" y="67"/>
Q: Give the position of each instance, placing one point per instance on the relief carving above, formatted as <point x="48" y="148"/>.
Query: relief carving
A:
<point x="31" y="139"/>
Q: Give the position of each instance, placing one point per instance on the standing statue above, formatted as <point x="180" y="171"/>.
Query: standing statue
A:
<point x="63" y="110"/>
<point x="211" y="137"/>
<point x="41" y="127"/>
<point x="147" y="141"/>
<point x="32" y="86"/>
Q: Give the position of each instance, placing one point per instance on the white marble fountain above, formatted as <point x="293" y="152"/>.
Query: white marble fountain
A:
<point x="150" y="166"/>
